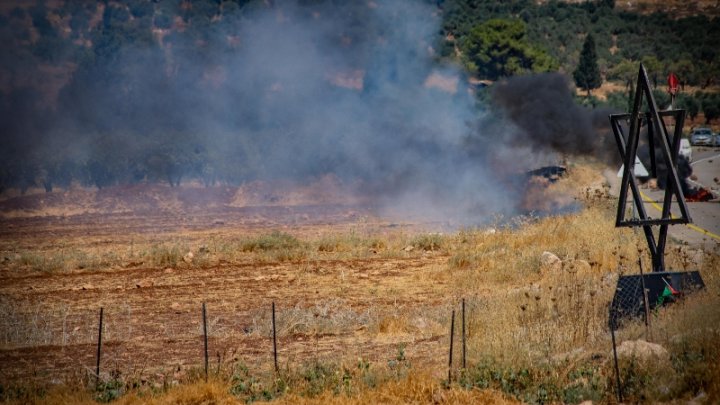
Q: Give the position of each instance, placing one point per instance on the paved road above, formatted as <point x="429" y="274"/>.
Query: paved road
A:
<point x="706" y="166"/>
<point x="705" y="228"/>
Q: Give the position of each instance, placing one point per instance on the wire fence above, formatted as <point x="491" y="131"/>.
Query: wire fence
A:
<point x="102" y="343"/>
<point x="49" y="343"/>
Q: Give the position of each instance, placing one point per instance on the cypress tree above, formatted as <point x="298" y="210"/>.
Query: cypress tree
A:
<point x="587" y="73"/>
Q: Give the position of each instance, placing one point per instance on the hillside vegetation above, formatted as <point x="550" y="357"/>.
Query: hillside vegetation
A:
<point x="119" y="92"/>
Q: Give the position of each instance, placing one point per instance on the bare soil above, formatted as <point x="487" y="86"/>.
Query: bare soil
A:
<point x="328" y="308"/>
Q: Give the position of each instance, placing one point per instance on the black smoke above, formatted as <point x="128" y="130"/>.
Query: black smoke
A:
<point x="549" y="119"/>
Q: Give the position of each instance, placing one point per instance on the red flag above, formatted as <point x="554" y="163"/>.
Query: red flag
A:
<point x="673" y="83"/>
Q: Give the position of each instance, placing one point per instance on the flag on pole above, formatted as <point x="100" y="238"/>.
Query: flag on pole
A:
<point x="673" y="84"/>
<point x="668" y="293"/>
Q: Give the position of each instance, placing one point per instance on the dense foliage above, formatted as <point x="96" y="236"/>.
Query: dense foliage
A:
<point x="686" y="46"/>
<point x="499" y="48"/>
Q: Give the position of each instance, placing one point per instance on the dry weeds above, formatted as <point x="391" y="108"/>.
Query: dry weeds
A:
<point x="535" y="333"/>
<point x="415" y="388"/>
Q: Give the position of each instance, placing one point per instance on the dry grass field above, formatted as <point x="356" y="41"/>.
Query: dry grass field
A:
<point x="363" y="302"/>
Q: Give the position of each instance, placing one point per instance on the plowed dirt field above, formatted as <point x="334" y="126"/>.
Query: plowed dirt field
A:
<point x="335" y="300"/>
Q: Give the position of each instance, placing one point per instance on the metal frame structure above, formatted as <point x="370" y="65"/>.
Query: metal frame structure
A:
<point x="639" y="294"/>
<point x="669" y="147"/>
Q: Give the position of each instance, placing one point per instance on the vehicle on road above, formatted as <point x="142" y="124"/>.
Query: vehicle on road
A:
<point x="702" y="136"/>
<point x="685" y="149"/>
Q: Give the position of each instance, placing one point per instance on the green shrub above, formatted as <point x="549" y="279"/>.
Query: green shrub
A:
<point x="166" y="255"/>
<point x="540" y="384"/>
<point x="41" y="262"/>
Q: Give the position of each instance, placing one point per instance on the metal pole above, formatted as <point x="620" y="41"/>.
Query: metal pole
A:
<point x="205" y="338"/>
<point x="452" y="336"/>
<point x="99" y="349"/>
<point x="274" y="337"/>
<point x="646" y="302"/>
<point x="464" y="347"/>
<point x="617" y="368"/>
<point x="651" y="146"/>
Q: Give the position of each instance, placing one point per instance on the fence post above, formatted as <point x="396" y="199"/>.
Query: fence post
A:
<point x="274" y="331"/>
<point x="205" y="338"/>
<point x="646" y="302"/>
<point x="452" y="336"/>
<point x="99" y="349"/>
<point x="464" y="346"/>
<point x="617" y="368"/>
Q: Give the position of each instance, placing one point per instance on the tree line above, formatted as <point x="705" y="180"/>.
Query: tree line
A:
<point x="121" y="91"/>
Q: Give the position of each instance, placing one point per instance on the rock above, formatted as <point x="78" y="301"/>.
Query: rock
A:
<point x="550" y="262"/>
<point x="175" y="307"/>
<point x="597" y="190"/>
<point x="699" y="399"/>
<point x="144" y="284"/>
<point x="642" y="350"/>
<point x="188" y="258"/>
<point x="577" y="266"/>
<point x="409" y="248"/>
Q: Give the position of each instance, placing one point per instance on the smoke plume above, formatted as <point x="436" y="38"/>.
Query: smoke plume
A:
<point x="299" y="91"/>
<point x="550" y="120"/>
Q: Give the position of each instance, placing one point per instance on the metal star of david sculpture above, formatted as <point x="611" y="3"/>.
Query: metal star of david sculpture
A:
<point x="628" y="145"/>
